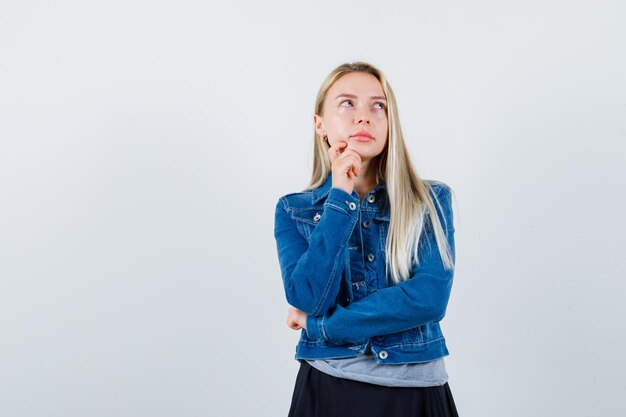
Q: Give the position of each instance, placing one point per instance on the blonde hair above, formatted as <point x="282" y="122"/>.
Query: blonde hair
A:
<point x="409" y="198"/>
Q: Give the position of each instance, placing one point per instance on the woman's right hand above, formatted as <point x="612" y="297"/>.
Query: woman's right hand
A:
<point x="345" y="164"/>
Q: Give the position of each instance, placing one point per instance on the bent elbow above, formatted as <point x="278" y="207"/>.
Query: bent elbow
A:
<point x="306" y="298"/>
<point x="438" y="310"/>
<point x="439" y="314"/>
<point x="302" y="304"/>
<point x="310" y="307"/>
<point x="297" y="302"/>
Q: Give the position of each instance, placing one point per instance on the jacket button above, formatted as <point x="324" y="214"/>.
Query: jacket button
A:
<point x="316" y="217"/>
<point x="383" y="354"/>
<point x="371" y="198"/>
<point x="371" y="257"/>
<point x="352" y="205"/>
<point x="366" y="223"/>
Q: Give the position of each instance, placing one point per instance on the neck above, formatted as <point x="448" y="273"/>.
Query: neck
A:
<point x="366" y="181"/>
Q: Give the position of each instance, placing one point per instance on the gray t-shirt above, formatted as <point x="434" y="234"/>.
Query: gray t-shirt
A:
<point x="365" y="368"/>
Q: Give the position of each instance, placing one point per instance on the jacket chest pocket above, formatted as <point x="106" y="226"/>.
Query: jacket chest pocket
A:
<point x="307" y="219"/>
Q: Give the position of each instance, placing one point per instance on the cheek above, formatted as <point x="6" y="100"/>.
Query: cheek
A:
<point x="381" y="118"/>
<point x="382" y="127"/>
<point x="342" y="126"/>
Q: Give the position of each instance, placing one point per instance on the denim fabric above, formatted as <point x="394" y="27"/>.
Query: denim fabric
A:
<point x="331" y="251"/>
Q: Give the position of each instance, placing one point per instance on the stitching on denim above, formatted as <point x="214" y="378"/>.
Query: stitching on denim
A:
<point x="411" y="344"/>
<point x="436" y="196"/>
<point x="322" y="325"/>
<point x="324" y="343"/>
<point x="336" y="207"/>
<point x="301" y="229"/>
<point x="382" y="228"/>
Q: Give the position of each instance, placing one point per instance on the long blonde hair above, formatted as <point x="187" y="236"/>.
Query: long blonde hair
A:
<point x="409" y="198"/>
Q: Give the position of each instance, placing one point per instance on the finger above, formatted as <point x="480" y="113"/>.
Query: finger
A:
<point x="340" y="144"/>
<point x="349" y="171"/>
<point x="352" y="160"/>
<point x="352" y="152"/>
<point x="348" y="159"/>
<point x="355" y="163"/>
<point x="335" y="150"/>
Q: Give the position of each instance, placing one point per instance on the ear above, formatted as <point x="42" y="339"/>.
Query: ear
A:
<point x="318" y="121"/>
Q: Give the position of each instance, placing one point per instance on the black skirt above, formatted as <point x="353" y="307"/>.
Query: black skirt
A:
<point x="317" y="394"/>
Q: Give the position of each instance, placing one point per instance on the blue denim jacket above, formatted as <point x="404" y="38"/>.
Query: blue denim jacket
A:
<point x="331" y="251"/>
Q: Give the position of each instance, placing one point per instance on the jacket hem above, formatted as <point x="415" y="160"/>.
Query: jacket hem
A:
<point x="398" y="354"/>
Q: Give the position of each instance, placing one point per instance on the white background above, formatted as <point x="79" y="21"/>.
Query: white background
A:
<point x="144" y="145"/>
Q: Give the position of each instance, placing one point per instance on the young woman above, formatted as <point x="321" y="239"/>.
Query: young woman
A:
<point x="367" y="256"/>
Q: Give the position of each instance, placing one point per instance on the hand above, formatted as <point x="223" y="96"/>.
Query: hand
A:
<point x="345" y="164"/>
<point x="296" y="319"/>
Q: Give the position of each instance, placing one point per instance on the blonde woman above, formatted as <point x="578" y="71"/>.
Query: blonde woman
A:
<point x="366" y="253"/>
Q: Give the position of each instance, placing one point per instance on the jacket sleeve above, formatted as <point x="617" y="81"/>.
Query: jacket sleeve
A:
<point x="420" y="299"/>
<point x="311" y="271"/>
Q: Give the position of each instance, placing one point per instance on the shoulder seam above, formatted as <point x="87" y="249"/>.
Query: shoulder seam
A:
<point x="285" y="200"/>
<point x="282" y="200"/>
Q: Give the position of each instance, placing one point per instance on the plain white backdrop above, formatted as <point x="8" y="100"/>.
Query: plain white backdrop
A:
<point x="144" y="144"/>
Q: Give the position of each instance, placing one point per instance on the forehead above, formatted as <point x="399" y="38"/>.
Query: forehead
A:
<point x="361" y="84"/>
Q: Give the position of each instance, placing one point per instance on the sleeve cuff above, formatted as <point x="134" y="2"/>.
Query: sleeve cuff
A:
<point x="315" y="327"/>
<point x="345" y="202"/>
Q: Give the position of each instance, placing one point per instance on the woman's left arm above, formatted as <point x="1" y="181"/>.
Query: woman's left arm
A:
<point x="420" y="299"/>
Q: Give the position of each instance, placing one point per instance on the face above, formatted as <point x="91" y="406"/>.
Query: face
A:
<point x="355" y="103"/>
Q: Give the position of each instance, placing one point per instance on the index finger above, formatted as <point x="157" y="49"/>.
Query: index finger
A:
<point x="334" y="150"/>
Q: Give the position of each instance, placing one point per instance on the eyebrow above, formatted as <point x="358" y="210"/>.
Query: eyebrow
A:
<point x="353" y="96"/>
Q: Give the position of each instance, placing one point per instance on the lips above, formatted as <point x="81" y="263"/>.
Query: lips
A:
<point x="363" y="135"/>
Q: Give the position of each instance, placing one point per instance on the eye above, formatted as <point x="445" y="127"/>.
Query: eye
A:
<point x="382" y="105"/>
<point x="344" y="102"/>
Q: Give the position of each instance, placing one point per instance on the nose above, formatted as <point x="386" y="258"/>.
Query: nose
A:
<point x="362" y="117"/>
